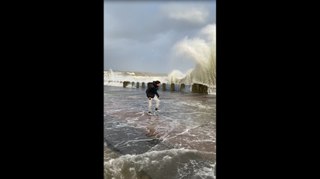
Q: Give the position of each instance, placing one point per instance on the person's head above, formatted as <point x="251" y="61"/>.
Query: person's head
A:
<point x="157" y="83"/>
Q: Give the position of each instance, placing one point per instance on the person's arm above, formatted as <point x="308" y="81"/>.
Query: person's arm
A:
<point x="156" y="93"/>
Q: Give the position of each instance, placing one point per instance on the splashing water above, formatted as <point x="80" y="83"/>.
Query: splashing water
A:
<point x="178" y="143"/>
<point x="202" y="51"/>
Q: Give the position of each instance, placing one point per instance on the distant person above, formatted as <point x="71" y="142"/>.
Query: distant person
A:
<point x="152" y="94"/>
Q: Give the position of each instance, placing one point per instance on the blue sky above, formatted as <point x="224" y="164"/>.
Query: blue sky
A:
<point x="141" y="35"/>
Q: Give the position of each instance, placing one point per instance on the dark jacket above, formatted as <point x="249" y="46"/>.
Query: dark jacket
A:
<point x="152" y="90"/>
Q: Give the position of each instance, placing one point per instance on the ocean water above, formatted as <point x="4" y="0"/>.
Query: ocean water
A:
<point x="177" y="143"/>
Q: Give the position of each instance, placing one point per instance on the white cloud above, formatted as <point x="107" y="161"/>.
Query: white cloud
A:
<point x="141" y="35"/>
<point x="209" y="33"/>
<point x="194" y="15"/>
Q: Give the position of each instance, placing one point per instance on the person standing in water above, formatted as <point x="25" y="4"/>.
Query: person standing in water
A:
<point x="152" y="94"/>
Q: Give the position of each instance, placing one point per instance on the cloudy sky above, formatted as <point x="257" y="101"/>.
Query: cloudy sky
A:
<point x="145" y="36"/>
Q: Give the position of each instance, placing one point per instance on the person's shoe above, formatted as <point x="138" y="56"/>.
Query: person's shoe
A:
<point x="157" y="109"/>
<point x="149" y="112"/>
